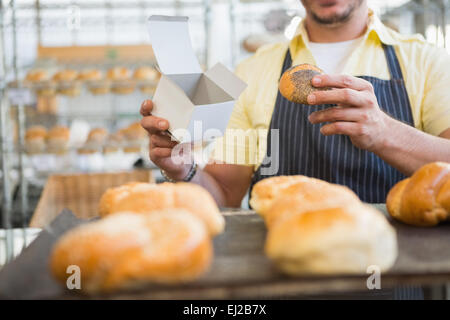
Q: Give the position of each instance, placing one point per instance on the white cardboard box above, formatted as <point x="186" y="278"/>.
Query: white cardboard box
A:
<point x="197" y="104"/>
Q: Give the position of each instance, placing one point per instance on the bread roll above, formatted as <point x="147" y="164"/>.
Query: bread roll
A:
<point x="295" y="83"/>
<point x="135" y="137"/>
<point x="65" y="75"/>
<point x="40" y="82"/>
<point x="35" y="139"/>
<point x="121" y="78"/>
<point x="36" y="76"/>
<point x="340" y="240"/>
<point x="67" y="84"/>
<point x="129" y="250"/>
<point x="266" y="191"/>
<point x="97" y="136"/>
<point x="307" y="196"/>
<point x="113" y="142"/>
<point x="90" y="75"/>
<point x="146" y="197"/>
<point x="146" y="73"/>
<point x="58" y="139"/>
<point x="424" y="198"/>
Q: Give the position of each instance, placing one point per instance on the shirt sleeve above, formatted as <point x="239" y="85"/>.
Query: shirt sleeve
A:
<point x="240" y="141"/>
<point x="436" y="99"/>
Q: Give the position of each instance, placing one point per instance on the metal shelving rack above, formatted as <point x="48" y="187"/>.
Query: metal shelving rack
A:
<point x="15" y="17"/>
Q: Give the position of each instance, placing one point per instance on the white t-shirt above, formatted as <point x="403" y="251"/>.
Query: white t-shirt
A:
<point x="332" y="57"/>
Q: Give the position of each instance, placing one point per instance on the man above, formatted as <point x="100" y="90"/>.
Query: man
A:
<point x="388" y="114"/>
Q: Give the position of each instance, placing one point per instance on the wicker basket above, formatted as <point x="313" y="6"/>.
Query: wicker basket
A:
<point x="80" y="193"/>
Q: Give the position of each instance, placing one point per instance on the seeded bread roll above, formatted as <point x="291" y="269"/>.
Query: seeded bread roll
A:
<point x="147" y="197"/>
<point x="129" y="250"/>
<point x="424" y="198"/>
<point x="295" y="83"/>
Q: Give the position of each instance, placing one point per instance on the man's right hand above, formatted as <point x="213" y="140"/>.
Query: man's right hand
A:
<point x="161" y="143"/>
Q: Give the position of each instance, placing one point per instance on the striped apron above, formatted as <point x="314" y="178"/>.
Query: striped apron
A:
<point x="303" y="150"/>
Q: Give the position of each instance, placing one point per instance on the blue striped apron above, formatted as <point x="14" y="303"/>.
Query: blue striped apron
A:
<point x="304" y="150"/>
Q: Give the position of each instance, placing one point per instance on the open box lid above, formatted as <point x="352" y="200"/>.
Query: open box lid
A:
<point x="226" y="80"/>
<point x="172" y="46"/>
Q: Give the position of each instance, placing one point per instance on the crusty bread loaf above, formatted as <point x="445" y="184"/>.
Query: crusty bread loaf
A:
<point x="146" y="197"/>
<point x="295" y="83"/>
<point x="266" y="191"/>
<point x="318" y="227"/>
<point x="307" y="196"/>
<point x="340" y="240"/>
<point x="128" y="250"/>
<point x="424" y="198"/>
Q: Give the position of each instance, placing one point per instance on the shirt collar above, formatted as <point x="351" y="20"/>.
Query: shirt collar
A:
<point x="374" y="28"/>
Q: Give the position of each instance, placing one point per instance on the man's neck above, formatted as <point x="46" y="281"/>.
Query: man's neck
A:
<point x="349" y="30"/>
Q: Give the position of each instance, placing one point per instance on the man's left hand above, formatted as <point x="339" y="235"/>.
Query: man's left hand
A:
<point x="357" y="114"/>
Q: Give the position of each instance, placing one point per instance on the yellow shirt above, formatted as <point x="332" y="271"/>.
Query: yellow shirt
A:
<point x="425" y="68"/>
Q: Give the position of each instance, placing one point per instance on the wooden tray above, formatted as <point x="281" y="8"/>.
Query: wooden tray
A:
<point x="79" y="193"/>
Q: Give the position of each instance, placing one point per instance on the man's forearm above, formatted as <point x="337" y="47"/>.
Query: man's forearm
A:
<point x="207" y="181"/>
<point x="407" y="148"/>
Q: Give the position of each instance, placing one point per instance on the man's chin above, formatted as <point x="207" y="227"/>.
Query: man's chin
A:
<point x="332" y="19"/>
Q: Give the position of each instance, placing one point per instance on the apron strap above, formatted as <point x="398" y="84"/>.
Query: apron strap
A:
<point x="392" y="62"/>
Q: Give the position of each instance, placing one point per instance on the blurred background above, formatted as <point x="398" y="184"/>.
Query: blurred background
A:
<point x="79" y="70"/>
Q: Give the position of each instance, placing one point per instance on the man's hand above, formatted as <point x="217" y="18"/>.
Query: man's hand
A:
<point x="161" y="144"/>
<point x="357" y="114"/>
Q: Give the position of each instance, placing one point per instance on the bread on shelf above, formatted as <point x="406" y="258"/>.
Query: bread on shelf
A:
<point x="95" y="81"/>
<point x="67" y="82"/>
<point x="121" y="80"/>
<point x="147" y="197"/>
<point x="147" y="78"/>
<point x="39" y="80"/>
<point x="135" y="137"/>
<point x="424" y="198"/>
<point x="35" y="139"/>
<point x="129" y="250"/>
<point x="339" y="240"/>
<point x="316" y="227"/>
<point x="58" y="139"/>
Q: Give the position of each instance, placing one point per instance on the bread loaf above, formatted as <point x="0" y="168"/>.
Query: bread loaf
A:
<point x="295" y="83"/>
<point x="146" y="197"/>
<point x="266" y="191"/>
<point x="424" y="198"/>
<point x="318" y="227"/>
<point x="129" y="250"/>
<point x="340" y="240"/>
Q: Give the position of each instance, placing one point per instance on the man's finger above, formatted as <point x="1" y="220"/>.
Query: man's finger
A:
<point x="160" y="153"/>
<point x="154" y="124"/>
<point x="341" y="81"/>
<point x="346" y="128"/>
<point x="146" y="108"/>
<point x="346" y="97"/>
<point x="338" y="114"/>
<point x="162" y="141"/>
